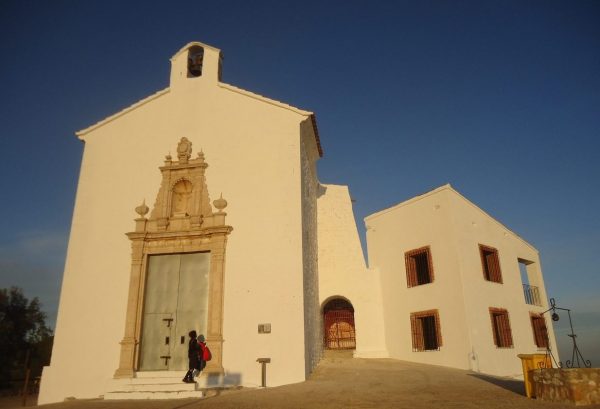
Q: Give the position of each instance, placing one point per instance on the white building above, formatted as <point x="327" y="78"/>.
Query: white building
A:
<point x="451" y="285"/>
<point x="281" y="274"/>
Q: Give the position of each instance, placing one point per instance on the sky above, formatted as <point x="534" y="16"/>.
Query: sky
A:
<point x="500" y="99"/>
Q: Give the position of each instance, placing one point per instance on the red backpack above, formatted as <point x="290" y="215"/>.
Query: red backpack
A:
<point x="206" y="355"/>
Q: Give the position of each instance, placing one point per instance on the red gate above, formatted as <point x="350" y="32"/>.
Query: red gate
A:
<point x="338" y="316"/>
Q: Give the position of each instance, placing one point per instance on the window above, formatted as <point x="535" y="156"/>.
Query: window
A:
<point x="501" y="328"/>
<point x="419" y="269"/>
<point x="540" y="332"/>
<point x="531" y="292"/>
<point x="426" y="334"/>
<point x="490" y="263"/>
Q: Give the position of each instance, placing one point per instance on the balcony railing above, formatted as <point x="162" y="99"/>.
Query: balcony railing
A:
<point x="532" y="295"/>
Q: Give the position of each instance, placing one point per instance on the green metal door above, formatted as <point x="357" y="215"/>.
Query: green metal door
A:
<point x="175" y="302"/>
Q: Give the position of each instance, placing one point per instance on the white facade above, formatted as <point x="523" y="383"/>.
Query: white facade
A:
<point x="267" y="265"/>
<point x="294" y="246"/>
<point x="453" y="228"/>
<point x="343" y="272"/>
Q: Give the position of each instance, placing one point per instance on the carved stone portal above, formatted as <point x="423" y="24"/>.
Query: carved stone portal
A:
<point x="182" y="221"/>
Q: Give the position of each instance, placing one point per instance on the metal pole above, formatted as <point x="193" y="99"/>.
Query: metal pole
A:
<point x="263" y="362"/>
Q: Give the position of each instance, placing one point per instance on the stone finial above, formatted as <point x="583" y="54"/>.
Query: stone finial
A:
<point x="201" y="156"/>
<point x="142" y="209"/>
<point x="184" y="150"/>
<point x="220" y="203"/>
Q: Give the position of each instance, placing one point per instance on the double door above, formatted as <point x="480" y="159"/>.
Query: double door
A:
<point x="175" y="302"/>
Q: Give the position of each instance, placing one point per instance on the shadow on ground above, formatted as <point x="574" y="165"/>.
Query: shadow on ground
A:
<point x="512" y="385"/>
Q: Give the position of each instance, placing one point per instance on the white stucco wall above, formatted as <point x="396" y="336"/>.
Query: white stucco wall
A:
<point x="252" y="146"/>
<point x="472" y="226"/>
<point x="453" y="227"/>
<point x="423" y="221"/>
<point x="343" y="273"/>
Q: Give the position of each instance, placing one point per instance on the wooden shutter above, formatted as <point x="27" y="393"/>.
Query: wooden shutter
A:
<point x="540" y="331"/>
<point x="490" y="263"/>
<point x="501" y="328"/>
<point x="411" y="270"/>
<point x="438" y="329"/>
<point x="417" y="333"/>
<point x="417" y="330"/>
<point x="418" y="260"/>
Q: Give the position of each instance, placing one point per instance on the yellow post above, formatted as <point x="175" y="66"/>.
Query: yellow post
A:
<point x="530" y="363"/>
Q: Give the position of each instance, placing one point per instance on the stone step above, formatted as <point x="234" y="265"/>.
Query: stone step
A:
<point x="164" y="385"/>
<point x="153" y="387"/>
<point x="150" y="381"/>
<point x="152" y="395"/>
<point x="160" y="374"/>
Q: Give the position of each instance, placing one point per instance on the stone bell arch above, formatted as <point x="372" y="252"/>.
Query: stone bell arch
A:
<point x="182" y="224"/>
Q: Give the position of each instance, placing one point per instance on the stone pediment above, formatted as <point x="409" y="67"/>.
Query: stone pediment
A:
<point x="182" y="203"/>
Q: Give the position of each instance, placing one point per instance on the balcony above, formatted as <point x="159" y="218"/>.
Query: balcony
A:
<point x="532" y="295"/>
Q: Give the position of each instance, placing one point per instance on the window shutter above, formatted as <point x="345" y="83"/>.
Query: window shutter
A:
<point x="540" y="331"/>
<point x="495" y="267"/>
<point x="491" y="267"/>
<point x="419" y="266"/>
<point x="495" y="330"/>
<point x="430" y="264"/>
<point x="490" y="263"/>
<point x="438" y="330"/>
<point x="505" y="330"/>
<point x="501" y="328"/>
<point x="544" y="334"/>
<point x="417" y="333"/>
<point x="411" y="270"/>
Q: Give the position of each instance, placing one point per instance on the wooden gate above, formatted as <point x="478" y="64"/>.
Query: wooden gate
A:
<point x="338" y="317"/>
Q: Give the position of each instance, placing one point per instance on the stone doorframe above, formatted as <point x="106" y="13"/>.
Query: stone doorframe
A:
<point x="182" y="221"/>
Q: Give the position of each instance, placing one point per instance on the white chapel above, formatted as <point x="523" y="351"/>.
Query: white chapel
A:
<point x="200" y="208"/>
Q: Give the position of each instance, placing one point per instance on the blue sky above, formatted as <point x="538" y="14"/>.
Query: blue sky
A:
<point x="500" y="99"/>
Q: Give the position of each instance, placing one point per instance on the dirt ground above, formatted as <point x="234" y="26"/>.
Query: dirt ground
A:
<point x="355" y="384"/>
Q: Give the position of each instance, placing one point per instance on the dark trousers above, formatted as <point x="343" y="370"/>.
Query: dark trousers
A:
<point x="194" y="363"/>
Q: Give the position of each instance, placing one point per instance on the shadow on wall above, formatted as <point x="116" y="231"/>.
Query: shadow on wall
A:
<point x="512" y="385"/>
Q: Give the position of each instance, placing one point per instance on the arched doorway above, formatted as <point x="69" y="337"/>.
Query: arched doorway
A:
<point x="338" y="317"/>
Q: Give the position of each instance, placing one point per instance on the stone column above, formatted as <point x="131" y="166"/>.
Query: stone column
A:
<point x="216" y="300"/>
<point x="129" y="343"/>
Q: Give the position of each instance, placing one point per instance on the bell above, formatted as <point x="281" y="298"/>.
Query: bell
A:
<point x="555" y="317"/>
<point x="195" y="65"/>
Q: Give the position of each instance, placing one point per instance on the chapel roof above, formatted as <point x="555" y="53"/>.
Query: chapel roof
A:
<point x="222" y="85"/>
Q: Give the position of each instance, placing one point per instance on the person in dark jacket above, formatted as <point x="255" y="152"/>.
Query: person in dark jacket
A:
<point x="193" y="357"/>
